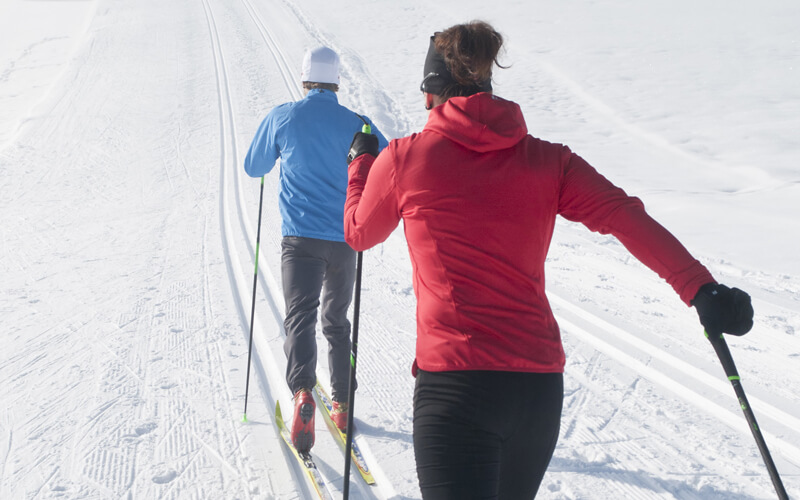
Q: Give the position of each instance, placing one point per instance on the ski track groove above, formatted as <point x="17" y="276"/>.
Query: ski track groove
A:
<point x="268" y="283"/>
<point x="224" y="102"/>
<point x="277" y="54"/>
<point x="266" y="279"/>
<point x="233" y="265"/>
<point x="588" y="436"/>
<point x="736" y="421"/>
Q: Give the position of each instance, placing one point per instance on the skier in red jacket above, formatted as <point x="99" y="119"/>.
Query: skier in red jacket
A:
<point x="479" y="197"/>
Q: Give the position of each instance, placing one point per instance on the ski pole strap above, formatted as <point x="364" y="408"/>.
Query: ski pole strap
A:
<point x="366" y="128"/>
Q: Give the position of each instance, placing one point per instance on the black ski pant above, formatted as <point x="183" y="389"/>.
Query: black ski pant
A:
<point x="311" y="268"/>
<point x="485" y="434"/>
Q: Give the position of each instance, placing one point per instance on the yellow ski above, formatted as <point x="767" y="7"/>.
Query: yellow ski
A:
<point x="325" y="404"/>
<point x="305" y="459"/>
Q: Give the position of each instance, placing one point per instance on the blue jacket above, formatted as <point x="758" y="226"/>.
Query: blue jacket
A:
<point x="311" y="137"/>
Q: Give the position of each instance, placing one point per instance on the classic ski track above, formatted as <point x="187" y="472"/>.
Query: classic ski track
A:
<point x="728" y="411"/>
<point x="692" y="383"/>
<point x="228" y="246"/>
<point x="718" y="384"/>
<point x="236" y="272"/>
<point x="600" y="251"/>
<point x="730" y="417"/>
<point x="278" y="55"/>
<point x="266" y="278"/>
<point x="372" y="362"/>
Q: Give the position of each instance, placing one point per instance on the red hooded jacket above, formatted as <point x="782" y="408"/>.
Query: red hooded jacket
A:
<point x="479" y="199"/>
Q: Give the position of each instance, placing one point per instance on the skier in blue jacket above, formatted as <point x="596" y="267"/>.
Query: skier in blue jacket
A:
<point x="311" y="137"/>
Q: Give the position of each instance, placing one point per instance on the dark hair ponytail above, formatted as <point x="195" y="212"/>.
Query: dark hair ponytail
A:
<point x="469" y="50"/>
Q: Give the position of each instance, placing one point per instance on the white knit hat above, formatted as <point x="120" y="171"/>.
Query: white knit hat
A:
<point x="320" y="65"/>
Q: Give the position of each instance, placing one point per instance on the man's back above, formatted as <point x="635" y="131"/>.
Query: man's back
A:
<point x="311" y="136"/>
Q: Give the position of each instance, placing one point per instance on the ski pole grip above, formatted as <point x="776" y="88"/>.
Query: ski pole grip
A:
<point x="366" y="128"/>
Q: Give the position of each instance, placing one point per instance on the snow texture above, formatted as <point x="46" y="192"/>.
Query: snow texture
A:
<point x="128" y="231"/>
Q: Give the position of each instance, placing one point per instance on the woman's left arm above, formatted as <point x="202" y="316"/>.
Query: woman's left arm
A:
<point x="588" y="197"/>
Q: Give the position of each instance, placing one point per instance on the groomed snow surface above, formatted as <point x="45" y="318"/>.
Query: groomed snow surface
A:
<point x="127" y="241"/>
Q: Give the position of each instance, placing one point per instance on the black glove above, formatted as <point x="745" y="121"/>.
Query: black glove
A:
<point x="723" y="310"/>
<point x="362" y="144"/>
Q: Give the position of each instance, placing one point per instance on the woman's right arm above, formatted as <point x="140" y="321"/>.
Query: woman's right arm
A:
<point x="371" y="209"/>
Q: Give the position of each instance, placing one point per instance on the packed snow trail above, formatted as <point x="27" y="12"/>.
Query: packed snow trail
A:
<point x="268" y="352"/>
<point x="128" y="230"/>
<point x="123" y="361"/>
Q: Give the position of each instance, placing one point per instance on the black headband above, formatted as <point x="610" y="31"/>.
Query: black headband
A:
<point x="436" y="75"/>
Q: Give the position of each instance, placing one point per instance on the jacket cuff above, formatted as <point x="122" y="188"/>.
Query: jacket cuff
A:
<point x="689" y="293"/>
<point x="360" y="166"/>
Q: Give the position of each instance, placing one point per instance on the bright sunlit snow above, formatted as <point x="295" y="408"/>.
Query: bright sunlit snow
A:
<point x="128" y="229"/>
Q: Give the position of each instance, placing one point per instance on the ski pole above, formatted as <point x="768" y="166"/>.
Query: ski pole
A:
<point x="724" y="354"/>
<point x="351" y="394"/>
<point x="253" y="307"/>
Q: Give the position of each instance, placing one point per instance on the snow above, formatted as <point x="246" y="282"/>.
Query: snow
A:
<point x="37" y="39"/>
<point x="128" y="232"/>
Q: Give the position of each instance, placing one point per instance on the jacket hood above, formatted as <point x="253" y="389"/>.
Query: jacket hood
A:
<point x="481" y="122"/>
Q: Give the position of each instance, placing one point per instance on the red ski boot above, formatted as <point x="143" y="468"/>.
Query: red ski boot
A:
<point x="339" y="415"/>
<point x="303" y="421"/>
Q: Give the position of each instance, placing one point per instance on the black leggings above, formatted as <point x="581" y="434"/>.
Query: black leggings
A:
<point x="485" y="434"/>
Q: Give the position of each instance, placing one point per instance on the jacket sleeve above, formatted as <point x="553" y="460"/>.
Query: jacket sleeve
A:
<point x="371" y="210"/>
<point x="264" y="149"/>
<point x="589" y="198"/>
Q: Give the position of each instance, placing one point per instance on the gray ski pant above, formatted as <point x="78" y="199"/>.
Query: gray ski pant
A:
<point x="310" y="269"/>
